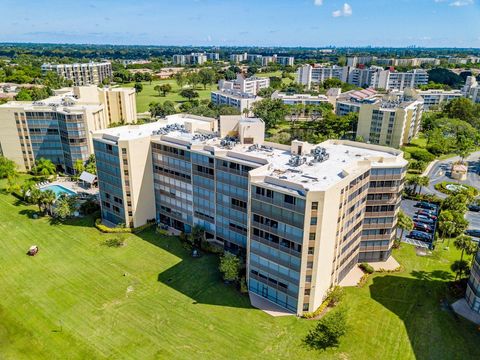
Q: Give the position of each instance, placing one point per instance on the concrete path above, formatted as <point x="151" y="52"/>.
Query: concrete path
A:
<point x="353" y="277"/>
<point x="267" y="306"/>
<point x="461" y="308"/>
<point x="390" y="264"/>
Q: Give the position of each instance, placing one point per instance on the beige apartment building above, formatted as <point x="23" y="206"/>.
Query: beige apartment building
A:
<point x="390" y="121"/>
<point x="301" y="216"/>
<point x="80" y="74"/>
<point x="59" y="127"/>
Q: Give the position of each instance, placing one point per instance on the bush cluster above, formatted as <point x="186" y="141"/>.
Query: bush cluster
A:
<point x="121" y="230"/>
<point x="367" y="268"/>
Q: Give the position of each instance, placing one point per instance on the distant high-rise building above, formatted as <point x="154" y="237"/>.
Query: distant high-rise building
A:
<point x="82" y="74"/>
<point x="242" y="84"/>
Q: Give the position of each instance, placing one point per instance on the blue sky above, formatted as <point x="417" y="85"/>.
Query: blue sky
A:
<point x="454" y="23"/>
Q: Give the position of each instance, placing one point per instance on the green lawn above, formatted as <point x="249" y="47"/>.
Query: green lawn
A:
<point x="148" y="95"/>
<point x="79" y="299"/>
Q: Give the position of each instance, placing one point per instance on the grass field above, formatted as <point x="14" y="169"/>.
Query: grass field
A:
<point x="80" y="299"/>
<point x="148" y="94"/>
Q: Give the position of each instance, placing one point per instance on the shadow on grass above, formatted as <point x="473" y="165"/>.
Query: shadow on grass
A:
<point x="434" y="330"/>
<point x="197" y="278"/>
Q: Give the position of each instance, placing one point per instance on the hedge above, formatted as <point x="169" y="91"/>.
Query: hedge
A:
<point x="121" y="230"/>
<point x="367" y="268"/>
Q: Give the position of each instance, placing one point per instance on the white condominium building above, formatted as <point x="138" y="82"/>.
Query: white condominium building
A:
<point x="238" y="100"/>
<point x="190" y="59"/>
<point x="309" y="75"/>
<point x="471" y="89"/>
<point x="435" y="97"/>
<point x="303" y="99"/>
<point x="242" y="84"/>
<point x="82" y="74"/>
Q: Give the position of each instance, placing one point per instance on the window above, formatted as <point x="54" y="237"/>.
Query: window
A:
<point x="305" y="307"/>
<point x="310" y="265"/>
<point x="315" y="205"/>
<point x="307" y="292"/>
<point x="289" y="199"/>
<point x="308" y="278"/>
<point x="313" y="220"/>
<point x="311" y="236"/>
<point x="124" y="151"/>
<point x="311" y="250"/>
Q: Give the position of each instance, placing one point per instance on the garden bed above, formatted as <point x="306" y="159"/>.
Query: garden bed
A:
<point x="448" y="187"/>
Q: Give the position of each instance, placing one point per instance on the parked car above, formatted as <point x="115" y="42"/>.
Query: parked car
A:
<point x="427" y="214"/>
<point x="474" y="207"/>
<point x="419" y="235"/>
<point x="423" y="219"/>
<point x="422" y="227"/>
<point x="426" y="205"/>
<point x="473" y="232"/>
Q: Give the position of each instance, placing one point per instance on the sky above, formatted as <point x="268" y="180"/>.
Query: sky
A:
<point x="312" y="23"/>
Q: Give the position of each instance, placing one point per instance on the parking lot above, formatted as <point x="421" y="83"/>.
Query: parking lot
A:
<point x="408" y="207"/>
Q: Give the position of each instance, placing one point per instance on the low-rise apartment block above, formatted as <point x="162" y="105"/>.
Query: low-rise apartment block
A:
<point x="433" y="98"/>
<point x="245" y="85"/>
<point x="82" y="74"/>
<point x="303" y="99"/>
<point x="301" y="216"/>
<point x="471" y="89"/>
<point x="351" y="101"/>
<point x="59" y="128"/>
<point x="238" y="100"/>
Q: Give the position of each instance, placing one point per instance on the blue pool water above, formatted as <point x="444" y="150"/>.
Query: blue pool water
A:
<point x="59" y="190"/>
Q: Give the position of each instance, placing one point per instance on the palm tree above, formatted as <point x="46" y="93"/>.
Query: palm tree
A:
<point x="459" y="267"/>
<point x="48" y="198"/>
<point x="423" y="181"/>
<point x="26" y="189"/>
<point x="414" y="181"/>
<point x="45" y="167"/>
<point x="36" y="198"/>
<point x="404" y="222"/>
<point x="198" y="235"/>
<point x="465" y="243"/>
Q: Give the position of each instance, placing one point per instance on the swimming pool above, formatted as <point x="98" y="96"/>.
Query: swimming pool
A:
<point x="59" y="190"/>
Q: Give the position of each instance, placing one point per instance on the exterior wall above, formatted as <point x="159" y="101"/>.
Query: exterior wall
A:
<point x="473" y="285"/>
<point x="109" y="173"/>
<point x="82" y="74"/>
<point x="10" y="143"/>
<point x="137" y="178"/>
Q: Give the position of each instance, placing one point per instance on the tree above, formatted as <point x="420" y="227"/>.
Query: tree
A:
<point x="27" y="188"/>
<point x="446" y="226"/>
<point x="7" y="167"/>
<point x="163" y="89"/>
<point x="270" y="111"/>
<point x="161" y="110"/>
<point x="12" y="182"/>
<point x="459" y="267"/>
<point x="78" y="166"/>
<point x="466" y="245"/>
<point x="44" y="167"/>
<point x="65" y="206"/>
<point x="138" y="87"/>
<point x="36" y="197"/>
<point x="414" y="181"/>
<point x="198" y="236"/>
<point x="404" y="222"/>
<point x="207" y="77"/>
<point x="456" y="202"/>
<point x="328" y="331"/>
<point x="193" y="79"/>
<point x="332" y="83"/>
<point x="23" y="95"/>
<point x="189" y="94"/>
<point x="229" y="267"/>
<point x="460" y="108"/>
<point x="180" y="78"/>
<point x="423" y="181"/>
<point x="47" y="199"/>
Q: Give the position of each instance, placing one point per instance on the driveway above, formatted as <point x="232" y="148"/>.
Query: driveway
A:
<point x="441" y="172"/>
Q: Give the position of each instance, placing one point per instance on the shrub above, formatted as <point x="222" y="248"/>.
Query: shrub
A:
<point x="229" y="267"/>
<point x="469" y="190"/>
<point x="243" y="285"/>
<point x="89" y="207"/>
<point x="335" y="295"/>
<point x="367" y="268"/>
<point x="119" y="230"/>
<point x="328" y="331"/>
<point x="116" y="242"/>
<point x="422" y="155"/>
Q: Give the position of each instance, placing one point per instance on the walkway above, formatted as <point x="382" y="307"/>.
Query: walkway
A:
<point x="461" y="308"/>
<point x="267" y="306"/>
<point x="389" y="265"/>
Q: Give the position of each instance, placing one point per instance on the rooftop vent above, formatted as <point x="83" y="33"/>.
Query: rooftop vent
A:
<point x="319" y="154"/>
<point x="296" y="160"/>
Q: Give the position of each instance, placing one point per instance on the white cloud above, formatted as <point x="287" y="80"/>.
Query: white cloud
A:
<point x="459" y="3"/>
<point x="318" y="2"/>
<point x="346" y="10"/>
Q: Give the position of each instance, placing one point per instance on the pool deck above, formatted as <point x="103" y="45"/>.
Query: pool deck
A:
<point x="72" y="185"/>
